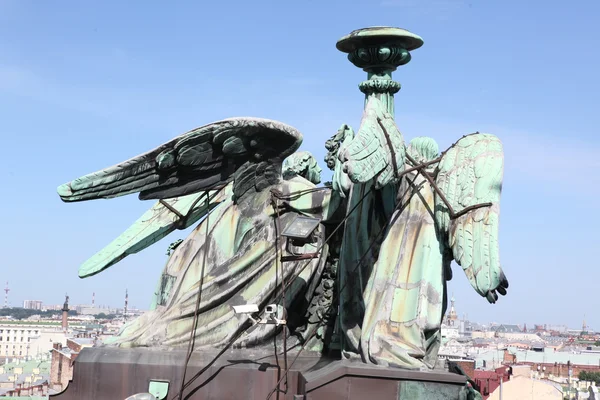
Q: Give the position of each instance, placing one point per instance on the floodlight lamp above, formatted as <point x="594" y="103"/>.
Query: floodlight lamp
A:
<point x="301" y="227"/>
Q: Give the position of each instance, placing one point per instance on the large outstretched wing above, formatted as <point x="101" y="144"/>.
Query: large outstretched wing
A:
<point x="377" y="150"/>
<point x="202" y="159"/>
<point x="153" y="225"/>
<point x="470" y="173"/>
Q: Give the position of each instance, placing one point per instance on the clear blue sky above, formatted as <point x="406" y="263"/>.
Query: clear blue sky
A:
<point x="84" y="85"/>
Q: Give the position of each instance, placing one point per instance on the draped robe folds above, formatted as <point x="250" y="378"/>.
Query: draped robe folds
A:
<point x="405" y="295"/>
<point x="236" y="264"/>
<point x="368" y="212"/>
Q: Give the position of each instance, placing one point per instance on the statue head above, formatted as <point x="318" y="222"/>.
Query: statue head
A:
<point x="333" y="145"/>
<point x="423" y="149"/>
<point x="302" y="164"/>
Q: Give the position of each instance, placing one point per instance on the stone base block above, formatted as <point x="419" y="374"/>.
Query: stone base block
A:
<point x="114" y="374"/>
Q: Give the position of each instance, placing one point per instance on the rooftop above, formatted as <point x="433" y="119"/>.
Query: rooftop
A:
<point x="506" y="329"/>
<point x="19" y="322"/>
<point x="82" y="341"/>
<point x="547" y="357"/>
<point x="28" y="367"/>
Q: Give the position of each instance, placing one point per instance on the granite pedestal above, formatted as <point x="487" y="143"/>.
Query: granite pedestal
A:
<point x="114" y="374"/>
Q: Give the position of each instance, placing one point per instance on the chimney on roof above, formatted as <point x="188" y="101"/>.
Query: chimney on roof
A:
<point x="65" y="314"/>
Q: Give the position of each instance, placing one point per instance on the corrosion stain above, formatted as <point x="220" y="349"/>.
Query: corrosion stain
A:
<point x="412" y="251"/>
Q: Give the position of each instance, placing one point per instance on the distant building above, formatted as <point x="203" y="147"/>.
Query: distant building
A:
<point x="52" y="307"/>
<point x="89" y="310"/>
<point x="25" y="379"/>
<point x="25" y="339"/>
<point x="452" y="317"/>
<point x="506" y="329"/>
<point x="522" y="387"/>
<point x="557" y="328"/>
<point x="555" y="363"/>
<point x="85" y="309"/>
<point x="32" y="304"/>
<point x="510" y="332"/>
<point x="489" y="381"/>
<point x="450" y="331"/>
<point x="61" y="369"/>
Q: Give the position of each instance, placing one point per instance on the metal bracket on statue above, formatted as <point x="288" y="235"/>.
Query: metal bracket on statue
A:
<point x="271" y="312"/>
<point x="307" y="256"/>
<point x="268" y="321"/>
<point x="272" y="321"/>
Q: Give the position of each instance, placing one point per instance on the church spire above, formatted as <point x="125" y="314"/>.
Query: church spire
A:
<point x="452" y="315"/>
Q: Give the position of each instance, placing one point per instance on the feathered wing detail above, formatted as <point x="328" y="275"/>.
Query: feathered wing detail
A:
<point x="470" y="173"/>
<point x="202" y="159"/>
<point x="153" y="225"/>
<point x="377" y="150"/>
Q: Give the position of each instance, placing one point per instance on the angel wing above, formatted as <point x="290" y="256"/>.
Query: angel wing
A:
<point x="470" y="173"/>
<point x="248" y="150"/>
<point x="156" y="223"/>
<point x="377" y="150"/>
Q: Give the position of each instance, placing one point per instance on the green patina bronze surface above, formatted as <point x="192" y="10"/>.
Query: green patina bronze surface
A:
<point x="155" y="224"/>
<point x="395" y="284"/>
<point x="376" y="288"/>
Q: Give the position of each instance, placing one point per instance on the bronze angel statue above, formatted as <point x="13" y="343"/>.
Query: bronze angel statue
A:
<point x="368" y="275"/>
<point x="227" y="175"/>
<point x="446" y="207"/>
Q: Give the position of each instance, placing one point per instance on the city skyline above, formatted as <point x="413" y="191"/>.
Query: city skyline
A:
<point x="462" y="315"/>
<point x="19" y="303"/>
<point x="84" y="86"/>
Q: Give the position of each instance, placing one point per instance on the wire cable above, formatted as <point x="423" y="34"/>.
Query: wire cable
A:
<point x="337" y="294"/>
<point x="242" y="331"/>
<point x="192" y="340"/>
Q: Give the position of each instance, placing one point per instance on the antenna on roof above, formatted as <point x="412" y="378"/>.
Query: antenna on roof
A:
<point x="6" y="290"/>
